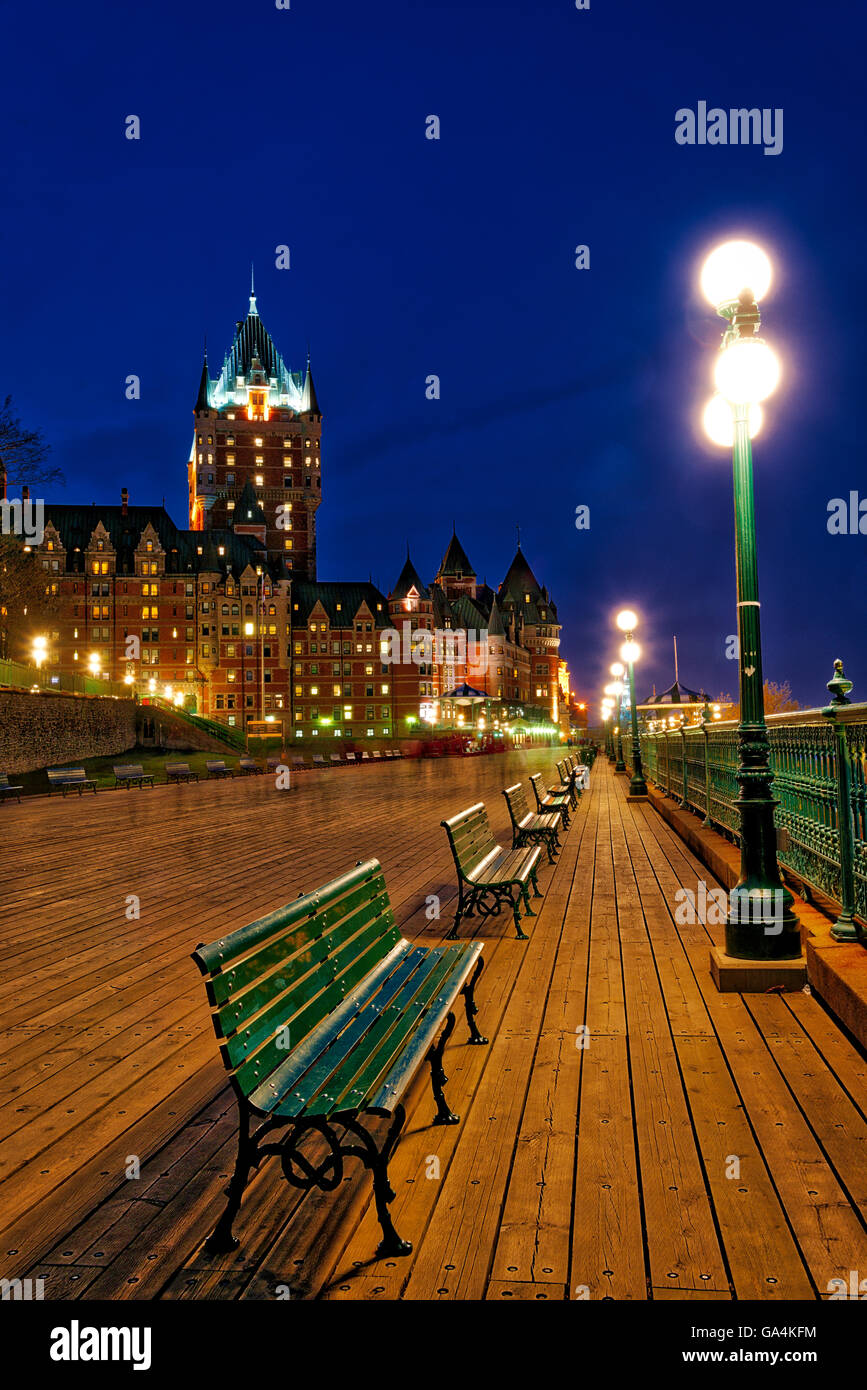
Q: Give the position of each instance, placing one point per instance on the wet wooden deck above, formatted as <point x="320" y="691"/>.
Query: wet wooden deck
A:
<point x="699" y="1146"/>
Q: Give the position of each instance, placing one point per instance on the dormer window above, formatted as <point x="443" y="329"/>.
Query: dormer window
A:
<point x="149" y="545"/>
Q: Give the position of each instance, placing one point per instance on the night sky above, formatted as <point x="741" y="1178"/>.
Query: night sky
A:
<point x="560" y="387"/>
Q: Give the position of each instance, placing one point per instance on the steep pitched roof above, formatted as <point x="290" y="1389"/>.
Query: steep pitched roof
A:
<point x="677" y="694"/>
<point x="409" y="579"/>
<point x="310" y="401"/>
<point x="248" y="511"/>
<point x="467" y="614"/>
<point x="455" y="561"/>
<point x="520" y="580"/>
<point x="495" y="622"/>
<point x="204" y="383"/>
<point x="350" y="594"/>
<point x="76" y="524"/>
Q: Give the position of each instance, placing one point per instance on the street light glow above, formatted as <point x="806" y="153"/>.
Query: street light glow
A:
<point x="733" y="267"/>
<point x="616" y="668"/>
<point x="630" y="651"/>
<point x="746" y="371"/>
<point x="627" y="621"/>
<point x="719" y="425"/>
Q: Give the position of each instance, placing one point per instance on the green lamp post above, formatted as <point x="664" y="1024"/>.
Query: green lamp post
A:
<point x="616" y="688"/>
<point x="762" y="924"/>
<point x="630" y="651"/>
<point x="607" y="716"/>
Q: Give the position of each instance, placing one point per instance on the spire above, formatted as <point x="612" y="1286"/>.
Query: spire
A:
<point x="252" y="309"/>
<point x="409" y="579"/>
<point x="455" y="561"/>
<point x="202" y="398"/>
<point x="495" y="622"/>
<point x="311" y="403"/>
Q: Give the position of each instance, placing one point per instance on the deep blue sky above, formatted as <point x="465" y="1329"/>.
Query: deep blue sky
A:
<point x="409" y="257"/>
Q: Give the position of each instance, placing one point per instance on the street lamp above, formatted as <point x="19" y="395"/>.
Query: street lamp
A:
<point x="627" y="621"/>
<point x="40" y="645"/>
<point x="93" y="663"/>
<point x="607" y="709"/>
<point x="616" y="688"/>
<point x="762" y="924"/>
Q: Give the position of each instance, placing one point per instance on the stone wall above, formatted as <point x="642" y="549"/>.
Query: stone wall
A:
<point x="40" y="730"/>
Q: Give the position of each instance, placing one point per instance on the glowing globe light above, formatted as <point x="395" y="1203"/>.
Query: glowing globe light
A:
<point x="732" y="268"/>
<point x="627" y="621"/>
<point x="616" y="668"/>
<point x="719" y="425"/>
<point x="746" y="371"/>
<point x="630" y="651"/>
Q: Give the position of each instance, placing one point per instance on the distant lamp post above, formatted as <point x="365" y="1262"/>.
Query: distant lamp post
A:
<point x="93" y="663"/>
<point x="617" y="670"/>
<point x="762" y="924"/>
<point x="627" y="621"/>
<point x="40" y="648"/>
<point x="607" y="715"/>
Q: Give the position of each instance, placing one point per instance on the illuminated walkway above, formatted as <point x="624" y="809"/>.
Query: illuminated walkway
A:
<point x="698" y="1145"/>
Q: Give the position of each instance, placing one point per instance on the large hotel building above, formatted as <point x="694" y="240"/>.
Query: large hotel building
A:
<point x="228" y="617"/>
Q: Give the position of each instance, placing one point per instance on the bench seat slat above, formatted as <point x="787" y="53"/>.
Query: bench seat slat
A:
<point x="267" y="1092"/>
<point x="378" y="1044"/>
<point x="402" y="984"/>
<point x="407" y="1027"/>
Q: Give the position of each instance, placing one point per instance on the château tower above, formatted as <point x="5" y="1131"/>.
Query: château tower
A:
<point x="256" y="449"/>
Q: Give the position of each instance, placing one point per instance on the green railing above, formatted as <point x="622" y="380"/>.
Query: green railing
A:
<point x="697" y="766"/>
<point x="26" y="677"/>
<point x="233" y="738"/>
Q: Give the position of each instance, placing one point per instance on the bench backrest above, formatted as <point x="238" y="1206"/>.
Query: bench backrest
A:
<point x="4" y="779"/>
<point x="538" y="787"/>
<point x="128" y="770"/>
<point x="216" y="766"/>
<point x="248" y="762"/>
<point x="66" y="774"/>
<point x="516" y="800"/>
<point x="177" y="767"/>
<point x="470" y="837"/>
<point x="291" y="969"/>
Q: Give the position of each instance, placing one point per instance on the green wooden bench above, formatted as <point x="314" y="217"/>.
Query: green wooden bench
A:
<point x="569" y="783"/>
<point x="248" y="767"/>
<point x="180" y="772"/>
<point x="531" y="827"/>
<point x="217" y="768"/>
<point x="324" y="1015"/>
<point x="489" y="875"/>
<point x="64" y="779"/>
<point x="131" y="775"/>
<point x="7" y="790"/>
<point x="550" y="799"/>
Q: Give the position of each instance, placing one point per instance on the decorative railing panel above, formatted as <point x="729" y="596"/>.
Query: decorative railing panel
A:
<point x="697" y="765"/>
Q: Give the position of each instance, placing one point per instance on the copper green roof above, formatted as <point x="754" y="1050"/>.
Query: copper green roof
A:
<point x="409" y="579"/>
<point x="349" y="594"/>
<point x="76" y="525"/>
<point x="248" y="511"/>
<point x="455" y="561"/>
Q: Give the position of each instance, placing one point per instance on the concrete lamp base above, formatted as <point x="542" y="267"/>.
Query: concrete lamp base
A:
<point x="733" y="976"/>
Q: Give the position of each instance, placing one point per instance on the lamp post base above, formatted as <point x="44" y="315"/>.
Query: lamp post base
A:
<point x="756" y="976"/>
<point x="762" y="924"/>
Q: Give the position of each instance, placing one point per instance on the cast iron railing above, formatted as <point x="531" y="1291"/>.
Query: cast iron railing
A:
<point x="813" y="782"/>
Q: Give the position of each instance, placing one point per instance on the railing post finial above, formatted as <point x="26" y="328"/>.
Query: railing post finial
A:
<point x="839" y="686"/>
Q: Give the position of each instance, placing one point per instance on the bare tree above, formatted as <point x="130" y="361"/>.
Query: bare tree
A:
<point x="778" y="700"/>
<point x="23" y="453"/>
<point x="26" y="601"/>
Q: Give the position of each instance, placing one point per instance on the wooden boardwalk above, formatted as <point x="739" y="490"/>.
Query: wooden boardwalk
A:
<point x="628" y="1134"/>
